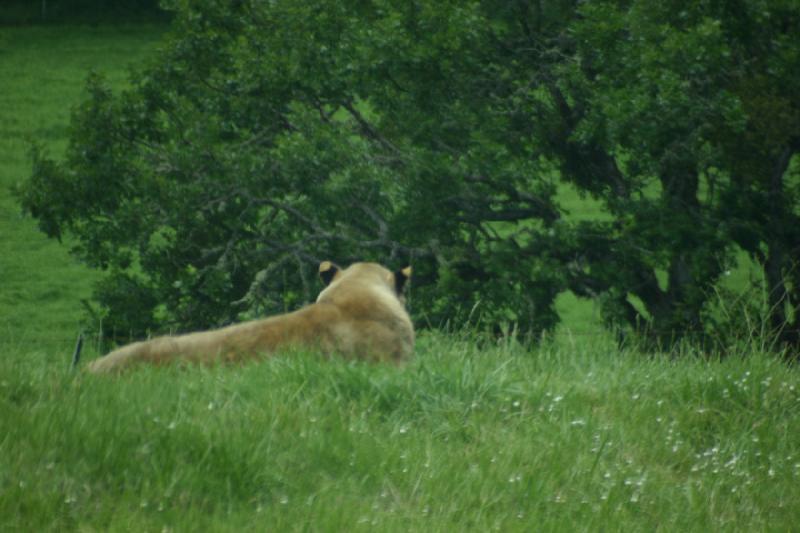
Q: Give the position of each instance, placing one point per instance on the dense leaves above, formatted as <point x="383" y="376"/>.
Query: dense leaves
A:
<point x="269" y="135"/>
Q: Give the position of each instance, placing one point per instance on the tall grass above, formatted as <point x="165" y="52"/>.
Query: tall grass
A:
<point x="496" y="438"/>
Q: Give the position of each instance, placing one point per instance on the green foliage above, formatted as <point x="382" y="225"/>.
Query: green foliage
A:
<point x="270" y="135"/>
<point x="461" y="439"/>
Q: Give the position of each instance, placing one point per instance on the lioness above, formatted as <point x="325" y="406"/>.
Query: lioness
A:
<point x="360" y="313"/>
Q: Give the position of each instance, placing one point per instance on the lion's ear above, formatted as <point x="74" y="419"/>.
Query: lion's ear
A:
<point x="327" y="271"/>
<point x="401" y="278"/>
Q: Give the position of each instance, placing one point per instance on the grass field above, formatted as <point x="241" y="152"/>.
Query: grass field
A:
<point x="572" y="435"/>
<point x="463" y="439"/>
<point x="43" y="73"/>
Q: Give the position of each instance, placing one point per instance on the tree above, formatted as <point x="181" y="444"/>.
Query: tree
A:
<point x="704" y="100"/>
<point x="268" y="136"/>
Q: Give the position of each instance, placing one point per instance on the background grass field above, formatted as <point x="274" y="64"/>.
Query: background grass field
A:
<point x="43" y="73"/>
<point x="572" y="435"/>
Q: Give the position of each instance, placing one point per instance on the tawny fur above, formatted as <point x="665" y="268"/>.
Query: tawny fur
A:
<point x="359" y="314"/>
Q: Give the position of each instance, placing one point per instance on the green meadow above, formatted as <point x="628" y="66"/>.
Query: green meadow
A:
<point x="572" y="435"/>
<point x="43" y="74"/>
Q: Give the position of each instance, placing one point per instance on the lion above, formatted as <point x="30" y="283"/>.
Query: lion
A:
<point x="359" y="314"/>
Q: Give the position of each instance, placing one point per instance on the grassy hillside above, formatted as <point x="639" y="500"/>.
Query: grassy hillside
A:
<point x="44" y="69"/>
<point x="571" y="436"/>
<point x="463" y="439"/>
